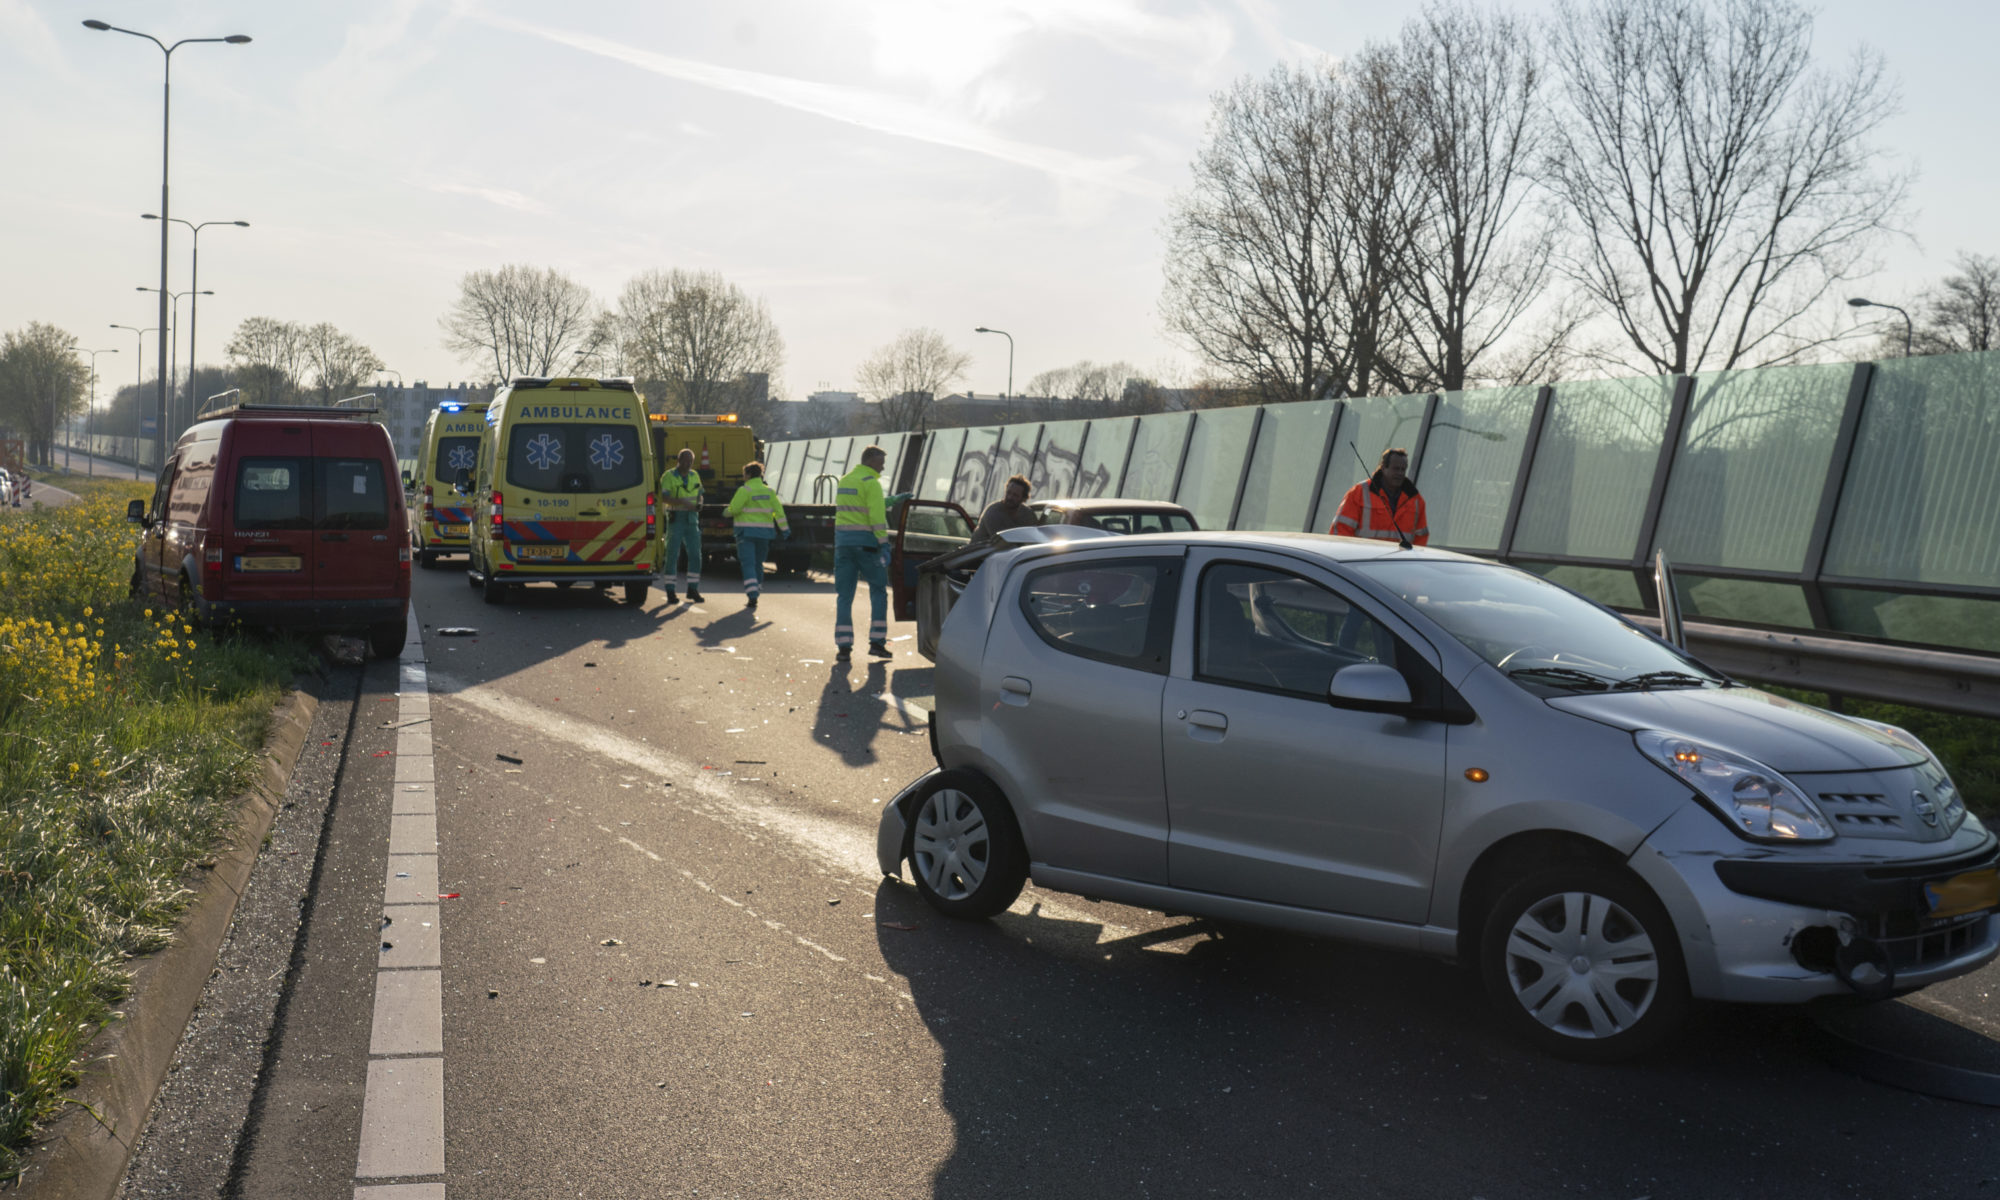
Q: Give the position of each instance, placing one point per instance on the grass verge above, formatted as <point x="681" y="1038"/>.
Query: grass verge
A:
<point x="124" y="737"/>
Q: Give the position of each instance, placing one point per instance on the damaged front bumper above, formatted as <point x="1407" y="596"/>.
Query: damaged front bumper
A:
<point x="1787" y="925"/>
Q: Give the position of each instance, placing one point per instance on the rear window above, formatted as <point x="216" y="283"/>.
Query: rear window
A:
<point x="311" y="493"/>
<point x="455" y="454"/>
<point x="351" y="494"/>
<point x="549" y="457"/>
<point x="271" y="493"/>
<point x="1117" y="522"/>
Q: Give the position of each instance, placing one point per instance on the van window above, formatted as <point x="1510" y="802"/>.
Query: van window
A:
<point x="549" y="457"/>
<point x="455" y="454"/>
<point x="351" y="494"/>
<point x="271" y="494"/>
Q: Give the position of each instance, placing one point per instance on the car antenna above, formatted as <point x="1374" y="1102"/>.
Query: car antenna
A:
<point x="1402" y="539"/>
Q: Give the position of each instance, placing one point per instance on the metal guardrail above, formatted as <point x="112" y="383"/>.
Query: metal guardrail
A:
<point x="1934" y="679"/>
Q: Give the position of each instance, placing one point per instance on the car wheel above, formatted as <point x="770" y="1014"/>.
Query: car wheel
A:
<point x="1583" y="963"/>
<point x="387" y="639"/>
<point x="494" y="591"/>
<point x="427" y="559"/>
<point x="635" y="594"/>
<point x="965" y="849"/>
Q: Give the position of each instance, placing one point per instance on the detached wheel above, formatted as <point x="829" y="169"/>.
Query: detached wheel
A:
<point x="635" y="594"/>
<point x="1583" y="963"/>
<point x="387" y="639"/>
<point x="965" y="848"/>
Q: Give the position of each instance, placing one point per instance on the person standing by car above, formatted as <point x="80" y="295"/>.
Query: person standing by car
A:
<point x="861" y="551"/>
<point x="1012" y="512"/>
<point x="759" y="517"/>
<point x="1385" y="506"/>
<point x="680" y="490"/>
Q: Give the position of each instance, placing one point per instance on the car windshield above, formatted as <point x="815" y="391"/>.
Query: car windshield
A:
<point x="1543" y="636"/>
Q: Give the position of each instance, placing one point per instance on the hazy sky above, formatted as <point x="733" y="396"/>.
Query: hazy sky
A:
<point x="862" y="166"/>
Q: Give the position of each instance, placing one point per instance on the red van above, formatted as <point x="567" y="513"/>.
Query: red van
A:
<point x="283" y="516"/>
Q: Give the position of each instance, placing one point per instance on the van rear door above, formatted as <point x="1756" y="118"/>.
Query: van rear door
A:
<point x="266" y="488"/>
<point x="357" y="533"/>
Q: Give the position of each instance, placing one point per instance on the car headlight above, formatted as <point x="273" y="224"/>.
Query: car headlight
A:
<point x="1750" y="797"/>
<point x="1944" y="793"/>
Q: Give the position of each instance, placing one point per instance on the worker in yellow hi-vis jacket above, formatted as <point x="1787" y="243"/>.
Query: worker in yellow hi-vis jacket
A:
<point x="760" y="518"/>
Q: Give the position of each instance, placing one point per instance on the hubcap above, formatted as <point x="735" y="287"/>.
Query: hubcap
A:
<point x="950" y="845"/>
<point x="1582" y="965"/>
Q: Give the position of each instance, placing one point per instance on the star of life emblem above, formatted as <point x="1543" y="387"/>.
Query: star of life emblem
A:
<point x="545" y="453"/>
<point x="461" y="458"/>
<point x="605" y="452"/>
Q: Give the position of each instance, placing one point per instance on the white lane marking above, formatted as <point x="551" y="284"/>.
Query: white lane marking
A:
<point x="402" y="1105"/>
<point x="639" y="848"/>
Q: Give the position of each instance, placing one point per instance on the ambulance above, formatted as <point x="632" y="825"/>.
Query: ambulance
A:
<point x="451" y="443"/>
<point x="562" y="491"/>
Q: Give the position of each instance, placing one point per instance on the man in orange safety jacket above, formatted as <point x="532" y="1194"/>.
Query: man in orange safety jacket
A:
<point x="1384" y="506"/>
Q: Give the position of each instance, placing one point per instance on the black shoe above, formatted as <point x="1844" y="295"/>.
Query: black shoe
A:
<point x="671" y="598"/>
<point x="878" y="650"/>
<point x="844" y="653"/>
<point x="694" y="595"/>
<point x="750" y="603"/>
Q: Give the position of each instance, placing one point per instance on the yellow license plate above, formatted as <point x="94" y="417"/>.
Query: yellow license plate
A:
<point x="454" y="530"/>
<point x="557" y="553"/>
<point x="1961" y="894"/>
<point x="270" y="562"/>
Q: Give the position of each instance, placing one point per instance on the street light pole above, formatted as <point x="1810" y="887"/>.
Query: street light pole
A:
<point x="166" y="211"/>
<point x="138" y="385"/>
<point x="89" y="414"/>
<point x="194" y="281"/>
<point x="174" y="336"/>
<point x="1010" y="355"/>
<point x="1909" y="329"/>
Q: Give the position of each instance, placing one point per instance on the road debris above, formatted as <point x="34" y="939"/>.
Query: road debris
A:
<point x="906" y="928"/>
<point x="611" y="942"/>
<point x="458" y="631"/>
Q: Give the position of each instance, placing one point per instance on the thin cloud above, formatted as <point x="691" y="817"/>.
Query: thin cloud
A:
<point x="875" y="111"/>
<point x="492" y="195"/>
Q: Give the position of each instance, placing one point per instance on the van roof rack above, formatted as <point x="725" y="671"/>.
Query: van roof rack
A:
<point x="294" y="411"/>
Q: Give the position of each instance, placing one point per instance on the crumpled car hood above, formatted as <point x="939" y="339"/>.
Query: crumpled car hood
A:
<point x="1777" y="732"/>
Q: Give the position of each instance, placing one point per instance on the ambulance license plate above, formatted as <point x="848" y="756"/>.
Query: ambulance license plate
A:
<point x="270" y="562"/>
<point x="1961" y="894"/>
<point x="454" y="530"/>
<point x="557" y="553"/>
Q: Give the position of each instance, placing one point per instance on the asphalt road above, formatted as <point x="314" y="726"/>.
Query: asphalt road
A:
<point x="672" y="969"/>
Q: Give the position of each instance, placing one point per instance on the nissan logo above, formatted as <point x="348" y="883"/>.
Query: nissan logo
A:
<point x="1924" y="808"/>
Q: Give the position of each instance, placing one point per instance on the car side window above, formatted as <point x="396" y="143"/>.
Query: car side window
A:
<point x="1265" y="628"/>
<point x="160" y="486"/>
<point x="1117" y="611"/>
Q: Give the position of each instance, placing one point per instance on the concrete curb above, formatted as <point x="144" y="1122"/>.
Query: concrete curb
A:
<point x="83" y="1154"/>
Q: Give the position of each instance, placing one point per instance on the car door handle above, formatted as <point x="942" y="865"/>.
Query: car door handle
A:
<point x="1015" y="690"/>
<point x="1206" y="726"/>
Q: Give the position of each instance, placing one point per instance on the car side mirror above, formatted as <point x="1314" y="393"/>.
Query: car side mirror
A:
<point x="462" y="481"/>
<point x="1369" y="687"/>
<point x="135" y="512"/>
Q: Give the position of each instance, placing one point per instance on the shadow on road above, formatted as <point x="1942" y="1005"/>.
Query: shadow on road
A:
<point x="1200" y="1058"/>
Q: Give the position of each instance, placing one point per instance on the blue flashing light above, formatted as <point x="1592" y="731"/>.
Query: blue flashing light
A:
<point x="451" y="408"/>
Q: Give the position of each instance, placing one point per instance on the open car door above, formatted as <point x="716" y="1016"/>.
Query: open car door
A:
<point x="924" y="530"/>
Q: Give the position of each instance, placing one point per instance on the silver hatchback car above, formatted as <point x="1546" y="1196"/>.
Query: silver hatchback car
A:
<point x="1426" y="751"/>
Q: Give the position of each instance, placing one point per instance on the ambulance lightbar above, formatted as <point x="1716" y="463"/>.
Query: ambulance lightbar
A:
<point x="697" y="418"/>
<point x="451" y="408"/>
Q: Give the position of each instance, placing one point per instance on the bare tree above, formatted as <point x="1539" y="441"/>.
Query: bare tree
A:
<point x="42" y="385"/>
<point x="520" y="320"/>
<point x="1253" y="253"/>
<point x="699" y="338"/>
<point x="1374" y="144"/>
<point x="1480" y="252"/>
<point x="271" y="359"/>
<point x="906" y="376"/>
<point x="1083" y="389"/>
<point x="339" y="364"/>
<point x="1719" y="186"/>
<point x="1963" y="312"/>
